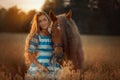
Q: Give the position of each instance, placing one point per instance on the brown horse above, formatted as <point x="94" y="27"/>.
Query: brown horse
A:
<point x="66" y="38"/>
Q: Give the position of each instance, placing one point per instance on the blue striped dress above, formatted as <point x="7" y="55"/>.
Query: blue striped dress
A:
<point x="43" y="45"/>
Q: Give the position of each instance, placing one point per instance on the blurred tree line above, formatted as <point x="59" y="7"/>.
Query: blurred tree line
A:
<point x="15" y="20"/>
<point x="91" y="16"/>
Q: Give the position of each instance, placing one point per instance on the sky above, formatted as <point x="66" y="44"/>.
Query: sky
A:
<point x="25" y="5"/>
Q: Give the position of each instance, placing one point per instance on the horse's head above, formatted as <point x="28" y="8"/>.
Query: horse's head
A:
<point x="56" y="31"/>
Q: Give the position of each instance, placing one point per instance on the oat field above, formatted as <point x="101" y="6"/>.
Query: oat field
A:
<point x="102" y="58"/>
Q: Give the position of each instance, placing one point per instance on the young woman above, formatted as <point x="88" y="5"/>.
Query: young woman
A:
<point x="38" y="47"/>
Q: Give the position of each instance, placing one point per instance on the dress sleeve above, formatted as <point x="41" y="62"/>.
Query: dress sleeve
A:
<point x="33" y="44"/>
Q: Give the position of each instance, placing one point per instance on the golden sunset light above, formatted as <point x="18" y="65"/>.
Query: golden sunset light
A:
<point x="25" y="5"/>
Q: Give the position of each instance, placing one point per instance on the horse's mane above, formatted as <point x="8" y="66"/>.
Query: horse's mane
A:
<point x="71" y="39"/>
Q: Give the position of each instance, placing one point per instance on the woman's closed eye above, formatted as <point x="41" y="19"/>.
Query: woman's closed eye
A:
<point x="39" y="21"/>
<point x="44" y="19"/>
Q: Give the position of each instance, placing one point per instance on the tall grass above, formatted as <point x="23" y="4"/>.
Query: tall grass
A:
<point x="96" y="71"/>
<point x="102" y="57"/>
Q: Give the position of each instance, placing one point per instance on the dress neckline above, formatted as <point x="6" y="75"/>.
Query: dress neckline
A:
<point x="42" y="36"/>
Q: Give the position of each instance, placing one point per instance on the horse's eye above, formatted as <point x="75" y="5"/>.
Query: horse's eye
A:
<point x="58" y="25"/>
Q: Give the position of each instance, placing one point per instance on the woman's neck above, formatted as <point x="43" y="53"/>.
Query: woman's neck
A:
<point x="44" y="32"/>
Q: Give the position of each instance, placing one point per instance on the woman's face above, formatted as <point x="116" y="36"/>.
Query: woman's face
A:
<point x="43" y="22"/>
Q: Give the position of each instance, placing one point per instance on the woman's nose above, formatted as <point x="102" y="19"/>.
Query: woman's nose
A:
<point x="42" y="22"/>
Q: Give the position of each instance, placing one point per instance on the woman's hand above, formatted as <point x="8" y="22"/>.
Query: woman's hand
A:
<point x="44" y="69"/>
<point x="33" y="59"/>
<point x="41" y="67"/>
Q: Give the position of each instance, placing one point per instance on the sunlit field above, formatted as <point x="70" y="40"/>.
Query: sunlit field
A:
<point x="102" y="58"/>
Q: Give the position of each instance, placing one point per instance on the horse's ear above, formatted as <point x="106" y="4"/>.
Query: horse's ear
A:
<point x="69" y="14"/>
<point x="52" y="16"/>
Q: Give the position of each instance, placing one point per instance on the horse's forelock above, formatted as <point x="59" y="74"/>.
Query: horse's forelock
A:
<point x="69" y="28"/>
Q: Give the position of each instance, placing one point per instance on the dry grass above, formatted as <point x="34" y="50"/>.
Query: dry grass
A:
<point x="101" y="58"/>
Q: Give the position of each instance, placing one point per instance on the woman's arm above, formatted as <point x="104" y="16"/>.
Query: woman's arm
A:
<point x="34" y="61"/>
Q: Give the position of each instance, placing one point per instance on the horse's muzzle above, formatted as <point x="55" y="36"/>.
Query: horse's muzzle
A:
<point x="57" y="57"/>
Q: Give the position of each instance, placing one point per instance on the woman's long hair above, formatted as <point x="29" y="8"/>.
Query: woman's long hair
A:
<point x="34" y="29"/>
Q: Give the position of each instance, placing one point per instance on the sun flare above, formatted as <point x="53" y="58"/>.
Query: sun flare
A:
<point x="32" y="4"/>
<point x="25" y="5"/>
